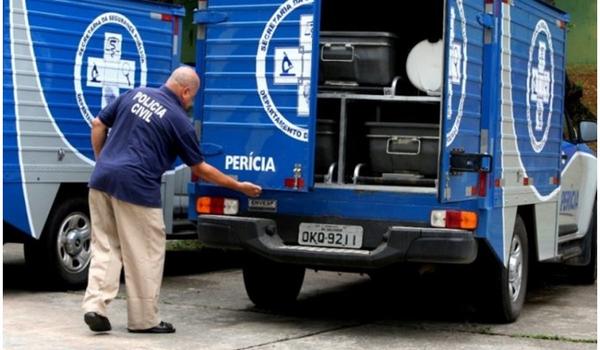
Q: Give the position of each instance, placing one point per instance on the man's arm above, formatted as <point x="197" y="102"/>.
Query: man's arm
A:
<point x="104" y="121"/>
<point x="213" y="175"/>
<point x="99" y="131"/>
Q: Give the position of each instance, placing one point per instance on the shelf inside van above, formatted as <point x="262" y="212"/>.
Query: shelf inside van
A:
<point x="355" y="96"/>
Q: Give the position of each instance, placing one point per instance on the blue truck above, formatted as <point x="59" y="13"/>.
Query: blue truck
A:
<point x="63" y="61"/>
<point x="388" y="135"/>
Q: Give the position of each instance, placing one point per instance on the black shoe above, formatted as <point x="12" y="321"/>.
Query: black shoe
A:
<point x="96" y="322"/>
<point x="163" y="327"/>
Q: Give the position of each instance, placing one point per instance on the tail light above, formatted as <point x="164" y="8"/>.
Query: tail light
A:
<point x="465" y="220"/>
<point x="295" y="183"/>
<point x="217" y="206"/>
<point x="482" y="184"/>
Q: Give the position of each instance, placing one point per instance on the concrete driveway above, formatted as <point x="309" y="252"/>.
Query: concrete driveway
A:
<point x="203" y="295"/>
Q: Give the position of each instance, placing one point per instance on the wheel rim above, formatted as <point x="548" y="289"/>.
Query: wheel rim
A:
<point x="515" y="268"/>
<point x="74" y="242"/>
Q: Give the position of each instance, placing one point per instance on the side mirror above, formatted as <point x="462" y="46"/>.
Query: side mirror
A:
<point x="588" y="131"/>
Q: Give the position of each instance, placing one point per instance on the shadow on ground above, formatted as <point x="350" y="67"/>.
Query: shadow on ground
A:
<point x="19" y="277"/>
<point x="179" y="263"/>
<point x="446" y="295"/>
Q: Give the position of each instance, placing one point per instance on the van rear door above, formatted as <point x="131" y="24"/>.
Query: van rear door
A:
<point x="257" y="104"/>
<point x="461" y="112"/>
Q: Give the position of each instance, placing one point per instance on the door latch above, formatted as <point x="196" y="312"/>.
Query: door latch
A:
<point x="461" y="162"/>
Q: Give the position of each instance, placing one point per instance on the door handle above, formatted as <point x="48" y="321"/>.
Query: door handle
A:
<point x="209" y="17"/>
<point x="211" y="149"/>
<point x="486" y="20"/>
<point x="461" y="162"/>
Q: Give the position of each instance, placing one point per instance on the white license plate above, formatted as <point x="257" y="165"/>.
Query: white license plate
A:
<point x="325" y="235"/>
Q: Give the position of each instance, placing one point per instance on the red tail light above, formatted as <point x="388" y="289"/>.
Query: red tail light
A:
<point x="483" y="184"/>
<point x="294" y="183"/>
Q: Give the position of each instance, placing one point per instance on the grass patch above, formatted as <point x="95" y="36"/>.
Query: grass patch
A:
<point x="554" y="338"/>
<point x="488" y="331"/>
<point x="184" y="245"/>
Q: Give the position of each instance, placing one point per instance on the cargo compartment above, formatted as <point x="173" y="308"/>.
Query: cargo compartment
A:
<point x="386" y="128"/>
<point x="327" y="145"/>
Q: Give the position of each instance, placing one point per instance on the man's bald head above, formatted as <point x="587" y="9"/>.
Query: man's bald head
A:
<point x="184" y="82"/>
<point x="185" y="77"/>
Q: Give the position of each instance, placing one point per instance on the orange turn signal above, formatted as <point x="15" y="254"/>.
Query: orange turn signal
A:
<point x="204" y="204"/>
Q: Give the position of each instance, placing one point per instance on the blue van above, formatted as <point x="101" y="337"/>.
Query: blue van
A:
<point x="383" y="135"/>
<point x="64" y="61"/>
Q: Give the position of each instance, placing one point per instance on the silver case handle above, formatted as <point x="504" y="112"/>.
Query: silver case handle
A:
<point x="395" y="139"/>
<point x="329" y="45"/>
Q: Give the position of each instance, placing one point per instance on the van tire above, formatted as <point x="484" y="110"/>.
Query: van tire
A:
<point x="586" y="274"/>
<point x="62" y="254"/>
<point x="272" y="285"/>
<point x="506" y="298"/>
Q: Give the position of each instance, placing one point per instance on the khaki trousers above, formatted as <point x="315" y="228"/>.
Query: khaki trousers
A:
<point x="130" y="236"/>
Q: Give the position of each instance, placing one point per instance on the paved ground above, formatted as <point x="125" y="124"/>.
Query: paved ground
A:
<point x="203" y="295"/>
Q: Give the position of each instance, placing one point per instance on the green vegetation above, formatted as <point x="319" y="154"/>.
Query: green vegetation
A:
<point x="582" y="42"/>
<point x="179" y="245"/>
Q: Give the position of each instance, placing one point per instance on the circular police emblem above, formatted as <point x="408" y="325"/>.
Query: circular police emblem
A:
<point x="291" y="66"/>
<point x="457" y="71"/>
<point x="540" y="86"/>
<point x="109" y="69"/>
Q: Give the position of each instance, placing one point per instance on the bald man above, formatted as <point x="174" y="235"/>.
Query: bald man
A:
<point x="149" y="128"/>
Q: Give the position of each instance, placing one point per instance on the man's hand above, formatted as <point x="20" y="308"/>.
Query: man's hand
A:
<point x="250" y="189"/>
<point x="212" y="174"/>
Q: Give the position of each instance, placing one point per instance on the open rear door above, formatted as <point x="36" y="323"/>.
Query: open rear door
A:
<point x="257" y="104"/>
<point x="462" y="138"/>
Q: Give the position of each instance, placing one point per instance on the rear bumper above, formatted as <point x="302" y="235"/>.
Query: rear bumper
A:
<point x="399" y="244"/>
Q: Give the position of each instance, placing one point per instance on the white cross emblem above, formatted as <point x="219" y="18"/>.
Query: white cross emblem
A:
<point x="540" y="83"/>
<point x="455" y="52"/>
<point x="455" y="63"/>
<point x="110" y="72"/>
<point x="293" y="65"/>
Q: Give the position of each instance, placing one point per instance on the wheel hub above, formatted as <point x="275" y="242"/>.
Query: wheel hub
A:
<point x="74" y="242"/>
<point x="515" y="269"/>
